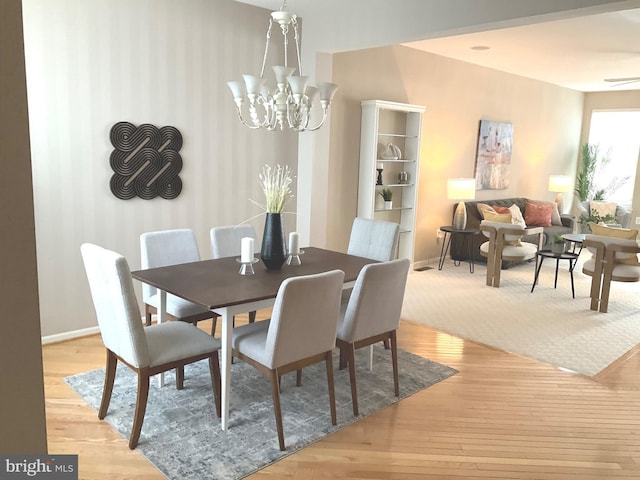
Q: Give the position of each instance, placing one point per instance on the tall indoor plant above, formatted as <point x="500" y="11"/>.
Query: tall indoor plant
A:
<point x="275" y="182"/>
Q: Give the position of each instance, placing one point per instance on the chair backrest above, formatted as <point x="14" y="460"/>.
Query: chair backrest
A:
<point x="304" y="319"/>
<point x="374" y="239"/>
<point x="375" y="304"/>
<point x="166" y="247"/>
<point x="226" y="241"/>
<point x="115" y="303"/>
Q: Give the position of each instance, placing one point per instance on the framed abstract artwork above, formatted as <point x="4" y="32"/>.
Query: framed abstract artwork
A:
<point x="493" y="161"/>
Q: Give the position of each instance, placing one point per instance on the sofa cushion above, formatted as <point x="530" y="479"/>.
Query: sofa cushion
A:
<point x="537" y="215"/>
<point x="603" y="209"/>
<point x="482" y="208"/>
<point x="555" y="214"/>
<point x="516" y="216"/>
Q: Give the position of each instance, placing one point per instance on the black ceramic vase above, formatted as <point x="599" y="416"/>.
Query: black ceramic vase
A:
<point x="274" y="250"/>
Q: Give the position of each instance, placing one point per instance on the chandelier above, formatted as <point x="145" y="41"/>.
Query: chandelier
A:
<point x="288" y="104"/>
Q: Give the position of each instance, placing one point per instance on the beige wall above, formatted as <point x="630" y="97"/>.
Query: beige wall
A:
<point x="613" y="101"/>
<point x="457" y="95"/>
<point x="93" y="63"/>
<point x="22" y="416"/>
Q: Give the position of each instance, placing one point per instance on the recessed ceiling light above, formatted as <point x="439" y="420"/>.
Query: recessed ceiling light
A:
<point x="480" y="47"/>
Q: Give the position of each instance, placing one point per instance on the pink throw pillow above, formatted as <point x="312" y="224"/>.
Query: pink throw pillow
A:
<point x="537" y="215"/>
<point x="501" y="209"/>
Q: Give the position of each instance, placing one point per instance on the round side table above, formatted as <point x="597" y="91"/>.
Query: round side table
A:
<point x="450" y="231"/>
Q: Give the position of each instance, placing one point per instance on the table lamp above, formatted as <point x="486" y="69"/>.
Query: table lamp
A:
<point x="559" y="184"/>
<point x="461" y="189"/>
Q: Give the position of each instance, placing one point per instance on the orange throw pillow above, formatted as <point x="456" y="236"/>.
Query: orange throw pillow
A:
<point x="501" y="209"/>
<point x="536" y="215"/>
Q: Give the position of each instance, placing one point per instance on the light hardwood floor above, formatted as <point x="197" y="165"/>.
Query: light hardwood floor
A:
<point x="502" y="417"/>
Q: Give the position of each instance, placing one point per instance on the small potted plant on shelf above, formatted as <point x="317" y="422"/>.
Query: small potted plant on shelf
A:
<point x="387" y="195"/>
<point x="558" y="244"/>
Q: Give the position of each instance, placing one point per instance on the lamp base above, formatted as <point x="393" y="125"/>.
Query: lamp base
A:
<point x="460" y="217"/>
<point x="559" y="203"/>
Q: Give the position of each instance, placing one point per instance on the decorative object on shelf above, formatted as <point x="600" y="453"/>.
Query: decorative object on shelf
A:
<point x="461" y="189"/>
<point x="380" y="169"/>
<point x="145" y="161"/>
<point x="559" y="184"/>
<point x="391" y="152"/>
<point x="387" y="196"/>
<point x="289" y="104"/>
<point x="495" y="142"/>
<point x="276" y="187"/>
<point x="403" y="177"/>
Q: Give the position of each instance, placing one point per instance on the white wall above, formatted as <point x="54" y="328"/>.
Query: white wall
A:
<point x="93" y="63"/>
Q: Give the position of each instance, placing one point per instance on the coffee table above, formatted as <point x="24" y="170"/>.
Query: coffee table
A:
<point x="576" y="239"/>
<point x="542" y="254"/>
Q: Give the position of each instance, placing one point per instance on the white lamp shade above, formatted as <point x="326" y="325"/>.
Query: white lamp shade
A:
<point x="327" y="90"/>
<point x="297" y="84"/>
<point x="559" y="183"/>
<point x="282" y="73"/>
<point x="237" y="89"/>
<point x="252" y="83"/>
<point x="461" y="188"/>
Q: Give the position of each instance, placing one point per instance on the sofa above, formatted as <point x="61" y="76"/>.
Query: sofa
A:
<point x="458" y="249"/>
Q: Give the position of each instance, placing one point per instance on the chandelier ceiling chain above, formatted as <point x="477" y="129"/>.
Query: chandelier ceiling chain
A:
<point x="289" y="103"/>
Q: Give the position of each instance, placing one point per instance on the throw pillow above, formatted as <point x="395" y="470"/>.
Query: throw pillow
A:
<point x="516" y="216"/>
<point x="621" y="233"/>
<point x="502" y="218"/>
<point x="483" y="207"/>
<point x="603" y="209"/>
<point x="501" y="209"/>
<point x="555" y="214"/>
<point x="538" y="215"/>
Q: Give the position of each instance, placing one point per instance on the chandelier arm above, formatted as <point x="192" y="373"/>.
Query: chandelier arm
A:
<point x="266" y="48"/>
<point x="294" y="21"/>
<point x="324" y="117"/>
<point x="243" y="121"/>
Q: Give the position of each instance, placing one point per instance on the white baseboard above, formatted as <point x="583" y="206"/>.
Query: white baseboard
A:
<point x="60" y="337"/>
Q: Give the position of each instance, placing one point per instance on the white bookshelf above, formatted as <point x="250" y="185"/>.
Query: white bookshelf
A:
<point x="400" y="124"/>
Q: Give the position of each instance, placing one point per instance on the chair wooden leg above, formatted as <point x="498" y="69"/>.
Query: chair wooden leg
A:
<point x="109" y="377"/>
<point x="141" y="406"/>
<point x="351" y="360"/>
<point x="216" y="383"/>
<point x="343" y="359"/>
<point x="147" y="313"/>
<point x="604" y="296"/>
<point x="596" y="280"/>
<point x="298" y="377"/>
<point x="394" y="361"/>
<point x="180" y="377"/>
<point x="332" y="392"/>
<point x="214" y="323"/>
<point x="252" y="316"/>
<point x="386" y="344"/>
<point x="275" y="392"/>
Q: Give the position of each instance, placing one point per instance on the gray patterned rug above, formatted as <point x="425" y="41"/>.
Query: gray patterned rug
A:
<point x="181" y="434"/>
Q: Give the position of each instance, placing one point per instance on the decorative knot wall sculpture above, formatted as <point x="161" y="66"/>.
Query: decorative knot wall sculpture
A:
<point x="145" y="161"/>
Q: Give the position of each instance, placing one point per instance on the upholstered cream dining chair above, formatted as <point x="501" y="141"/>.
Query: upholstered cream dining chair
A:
<point x="171" y="247"/>
<point x="505" y="245"/>
<point x="614" y="259"/>
<point x="373" y="315"/>
<point x="226" y="242"/>
<point x="301" y="332"/>
<point x="374" y="239"/>
<point x="146" y="350"/>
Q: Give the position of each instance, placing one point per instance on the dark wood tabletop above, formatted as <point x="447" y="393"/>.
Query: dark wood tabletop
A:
<point x="217" y="283"/>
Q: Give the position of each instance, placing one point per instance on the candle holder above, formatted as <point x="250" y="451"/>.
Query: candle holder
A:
<point x="379" y="181"/>
<point x="294" y="258"/>
<point x="246" y="268"/>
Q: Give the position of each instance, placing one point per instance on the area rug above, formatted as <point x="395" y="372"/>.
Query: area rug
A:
<point x="181" y="434"/>
<point x="547" y="325"/>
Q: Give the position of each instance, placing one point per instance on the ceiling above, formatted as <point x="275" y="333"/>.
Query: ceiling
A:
<point x="577" y="53"/>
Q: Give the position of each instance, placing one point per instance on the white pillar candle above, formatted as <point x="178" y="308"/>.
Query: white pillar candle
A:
<point x="246" y="250"/>
<point x="294" y="246"/>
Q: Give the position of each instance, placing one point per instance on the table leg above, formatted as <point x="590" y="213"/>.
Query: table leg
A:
<point x="225" y="367"/>
<point x="535" y="278"/>
<point x="469" y="240"/>
<point x="573" y="292"/>
<point x="555" y="282"/>
<point x="443" y="251"/>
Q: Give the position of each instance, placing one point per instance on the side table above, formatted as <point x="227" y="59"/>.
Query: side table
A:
<point x="576" y="240"/>
<point x="450" y="231"/>
<point x="542" y="254"/>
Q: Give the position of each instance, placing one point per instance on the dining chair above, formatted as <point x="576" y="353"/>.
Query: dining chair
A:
<point x="504" y="245"/>
<point x="301" y="332"/>
<point x="226" y="241"/>
<point x="372" y="315"/>
<point x="171" y="247"/>
<point x="614" y="259"/>
<point x="146" y="350"/>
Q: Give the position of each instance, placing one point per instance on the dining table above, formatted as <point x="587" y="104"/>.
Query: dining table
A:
<point x="219" y="286"/>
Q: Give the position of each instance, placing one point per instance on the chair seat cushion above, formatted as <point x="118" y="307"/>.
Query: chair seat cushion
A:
<point x="173" y="341"/>
<point x="525" y="251"/>
<point x="251" y="339"/>
<point x="177" y="306"/>
<point x="622" y="272"/>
